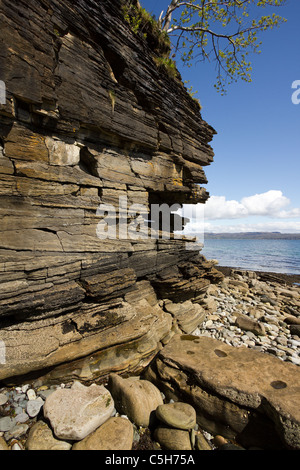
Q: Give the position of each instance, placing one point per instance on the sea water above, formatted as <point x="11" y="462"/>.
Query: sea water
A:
<point x="278" y="256"/>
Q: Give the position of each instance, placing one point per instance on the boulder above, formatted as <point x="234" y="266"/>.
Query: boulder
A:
<point x="138" y="399"/>
<point x="115" y="434"/>
<point x="41" y="437"/>
<point x="76" y="412"/>
<point x="177" y="415"/>
<point x="234" y="390"/>
<point x="172" y="439"/>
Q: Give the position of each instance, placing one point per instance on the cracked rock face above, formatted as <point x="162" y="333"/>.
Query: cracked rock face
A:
<point x="91" y="121"/>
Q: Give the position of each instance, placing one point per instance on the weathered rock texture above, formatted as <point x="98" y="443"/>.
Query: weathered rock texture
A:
<point x="89" y="118"/>
<point x="237" y="392"/>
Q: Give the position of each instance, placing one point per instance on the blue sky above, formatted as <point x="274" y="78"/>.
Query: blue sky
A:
<point x="255" y="178"/>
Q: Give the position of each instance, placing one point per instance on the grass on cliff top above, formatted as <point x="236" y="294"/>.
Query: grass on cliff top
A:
<point x="144" y="24"/>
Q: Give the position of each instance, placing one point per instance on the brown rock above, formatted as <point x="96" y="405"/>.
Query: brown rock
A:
<point x="291" y="320"/>
<point x="220" y="441"/>
<point x="41" y="438"/>
<point x="249" y="324"/>
<point x="242" y="379"/>
<point x="172" y="439"/>
<point x="177" y="415"/>
<point x="115" y="434"/>
<point x="201" y="443"/>
<point x="3" y="445"/>
<point x="138" y="399"/>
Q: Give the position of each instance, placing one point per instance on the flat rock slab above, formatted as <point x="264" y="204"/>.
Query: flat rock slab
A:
<point x="247" y="378"/>
<point x="76" y="412"/>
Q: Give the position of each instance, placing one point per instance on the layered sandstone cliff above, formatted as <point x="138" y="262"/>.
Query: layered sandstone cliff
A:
<point x="89" y="119"/>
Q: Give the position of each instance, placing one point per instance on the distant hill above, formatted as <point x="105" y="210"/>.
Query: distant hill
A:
<point x="253" y="236"/>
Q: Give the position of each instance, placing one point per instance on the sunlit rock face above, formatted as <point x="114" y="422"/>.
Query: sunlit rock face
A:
<point x="91" y="125"/>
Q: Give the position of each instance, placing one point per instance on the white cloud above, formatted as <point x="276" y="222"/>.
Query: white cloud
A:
<point x="271" y="207"/>
<point x="217" y="207"/>
<point x="268" y="204"/>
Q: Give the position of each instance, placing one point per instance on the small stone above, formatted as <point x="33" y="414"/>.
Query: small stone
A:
<point x="266" y="299"/>
<point x="16" y="431"/>
<point x="213" y="317"/>
<point x="22" y="417"/>
<point x="20" y="397"/>
<point x="6" y="423"/>
<point x="201" y="443"/>
<point x="3" y="399"/>
<point x="219" y="440"/>
<point x="177" y="415"/>
<point x="291" y="320"/>
<point x="31" y="395"/>
<point x="246" y="323"/>
<point x="295" y="330"/>
<point x="16" y="446"/>
<point x="34" y="406"/>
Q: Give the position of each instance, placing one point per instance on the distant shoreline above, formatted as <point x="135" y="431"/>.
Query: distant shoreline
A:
<point x="252" y="236"/>
<point x="281" y="278"/>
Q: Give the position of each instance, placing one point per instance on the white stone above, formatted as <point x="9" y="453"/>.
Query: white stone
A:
<point x="31" y="395"/>
<point x="16" y="446"/>
<point x="77" y="411"/>
<point x="34" y="406"/>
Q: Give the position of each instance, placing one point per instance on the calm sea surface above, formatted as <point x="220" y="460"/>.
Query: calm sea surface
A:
<point x="278" y="256"/>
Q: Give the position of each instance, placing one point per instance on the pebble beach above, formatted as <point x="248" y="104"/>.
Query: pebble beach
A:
<point x="246" y="310"/>
<point x="256" y="310"/>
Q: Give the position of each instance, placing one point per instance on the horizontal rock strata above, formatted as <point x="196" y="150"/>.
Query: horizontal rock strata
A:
<point x="90" y="121"/>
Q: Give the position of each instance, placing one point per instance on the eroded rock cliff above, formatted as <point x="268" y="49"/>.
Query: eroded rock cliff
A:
<point x="89" y="119"/>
